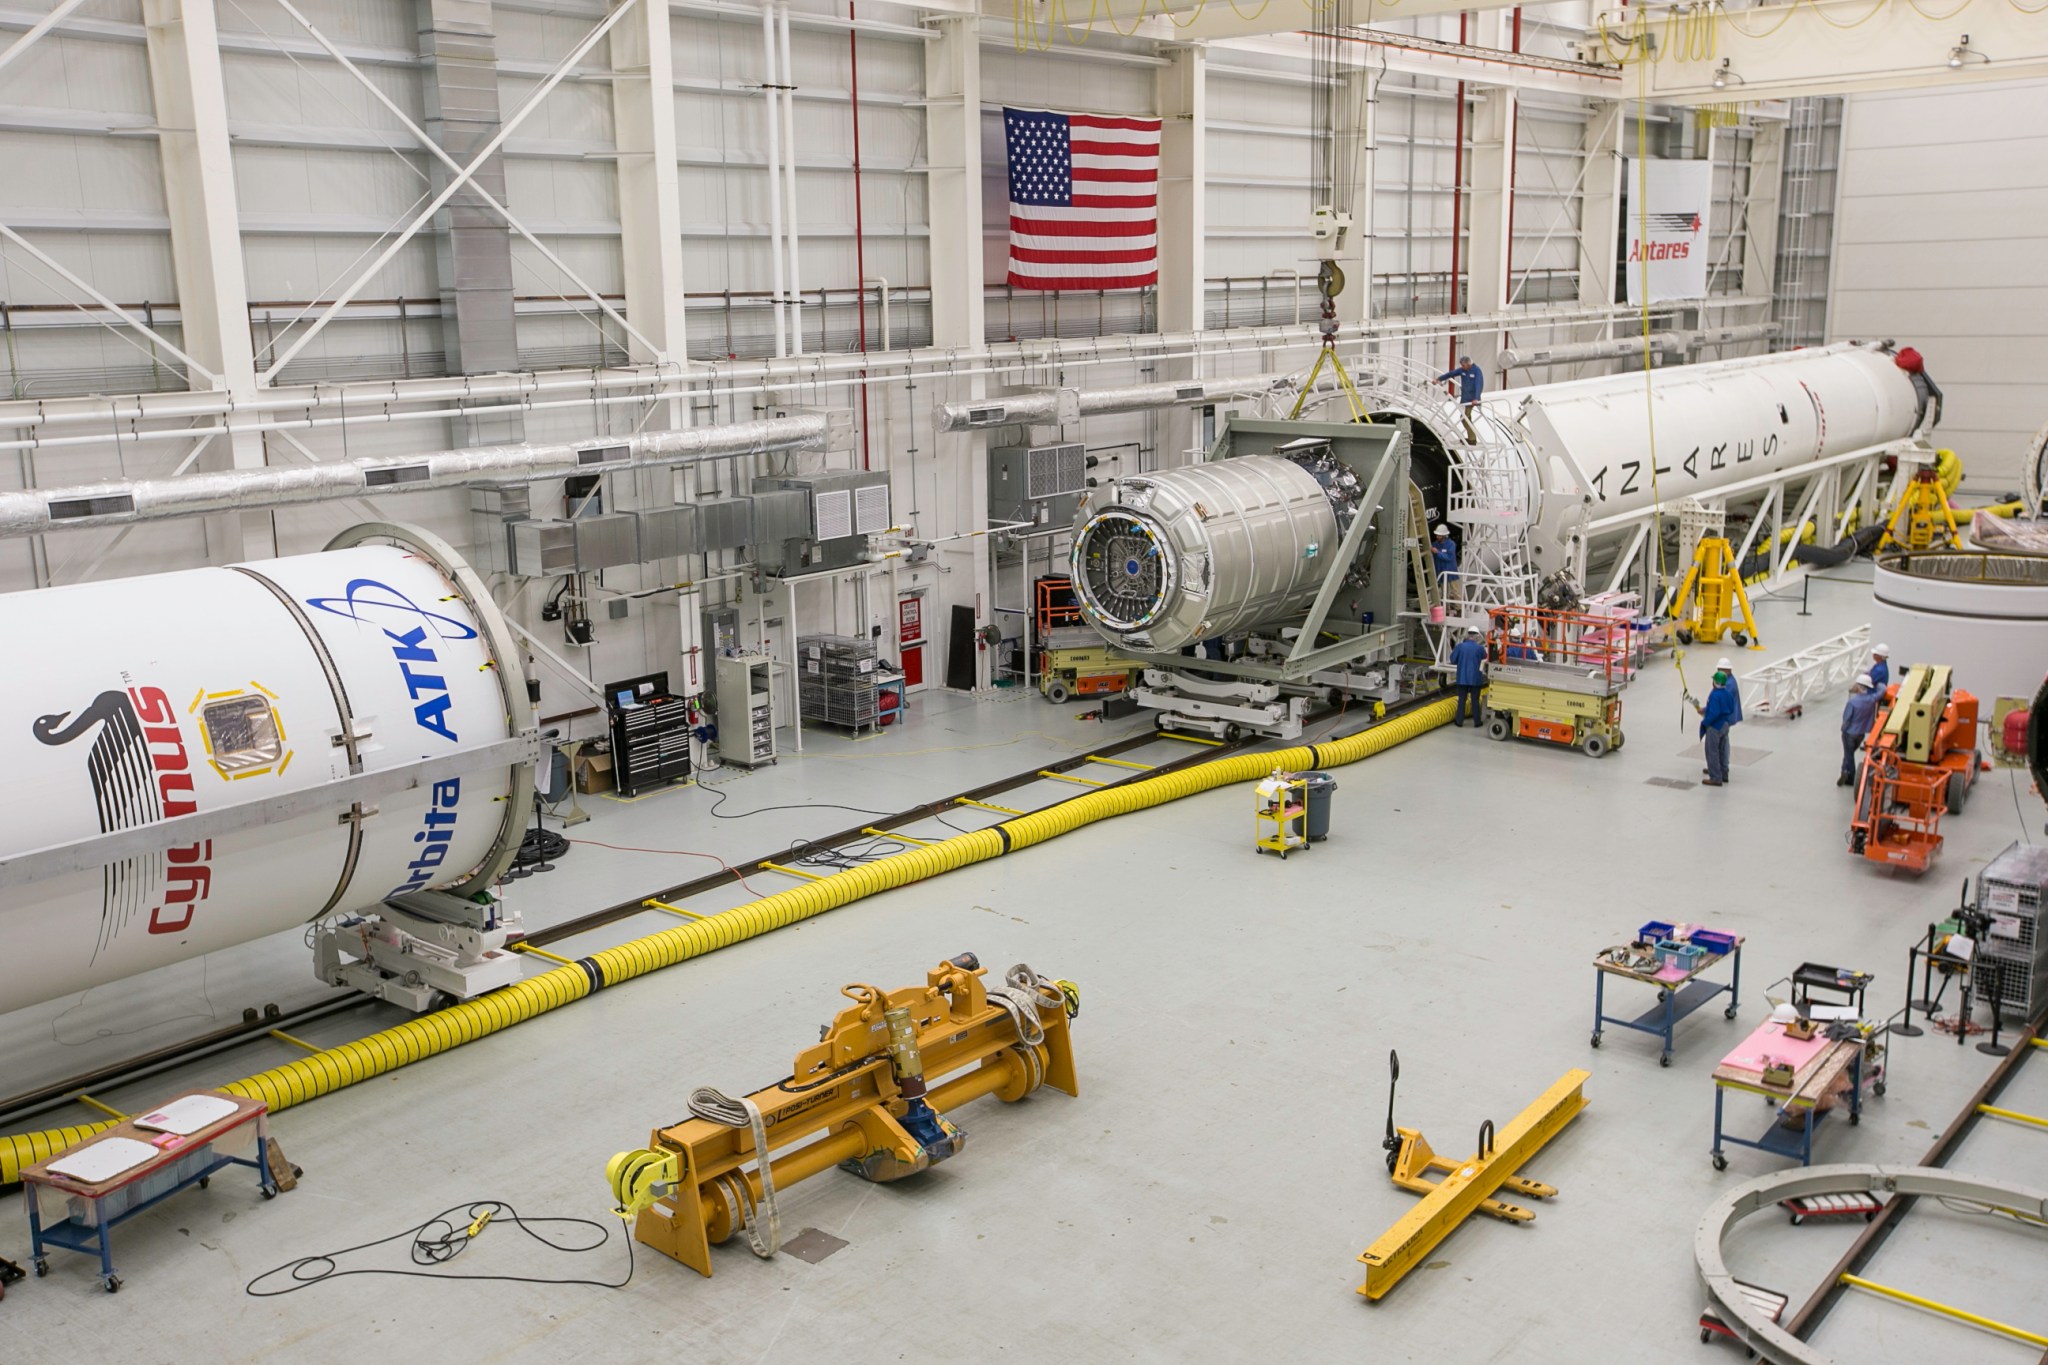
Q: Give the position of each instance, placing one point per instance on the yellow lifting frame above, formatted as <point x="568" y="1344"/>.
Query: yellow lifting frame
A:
<point x="1946" y="1310"/>
<point x="1467" y="1186"/>
<point x="1328" y="356"/>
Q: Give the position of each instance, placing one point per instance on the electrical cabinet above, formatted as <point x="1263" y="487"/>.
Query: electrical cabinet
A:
<point x="1041" y="485"/>
<point x="745" y="688"/>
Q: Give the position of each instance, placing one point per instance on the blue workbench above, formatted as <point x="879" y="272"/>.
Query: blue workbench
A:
<point x="1677" y="996"/>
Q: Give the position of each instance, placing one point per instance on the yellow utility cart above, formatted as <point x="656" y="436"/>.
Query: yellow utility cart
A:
<point x="1556" y="677"/>
<point x="1280" y="815"/>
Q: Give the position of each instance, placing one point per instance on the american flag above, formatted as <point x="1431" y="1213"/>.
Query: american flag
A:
<point x="1084" y="200"/>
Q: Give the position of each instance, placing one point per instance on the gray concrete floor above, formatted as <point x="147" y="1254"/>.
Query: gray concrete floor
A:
<point x="1205" y="1196"/>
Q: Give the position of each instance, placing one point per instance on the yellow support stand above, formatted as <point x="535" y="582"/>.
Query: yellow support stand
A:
<point x="1713" y="588"/>
<point x="1925" y="514"/>
<point x="1468" y="1186"/>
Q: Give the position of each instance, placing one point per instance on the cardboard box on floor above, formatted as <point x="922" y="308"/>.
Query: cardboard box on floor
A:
<point x="594" y="773"/>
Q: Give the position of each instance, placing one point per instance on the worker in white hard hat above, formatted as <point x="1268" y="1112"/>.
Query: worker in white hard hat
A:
<point x="1444" y="551"/>
<point x="1734" y="688"/>
<point x="1857" y="718"/>
<point x="1880" y="667"/>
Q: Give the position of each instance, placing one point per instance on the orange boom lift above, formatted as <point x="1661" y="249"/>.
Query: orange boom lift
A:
<point x="1918" y="765"/>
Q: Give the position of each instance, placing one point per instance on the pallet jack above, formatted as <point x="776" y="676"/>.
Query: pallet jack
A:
<point x="1919" y="764"/>
<point x="1466" y="1186"/>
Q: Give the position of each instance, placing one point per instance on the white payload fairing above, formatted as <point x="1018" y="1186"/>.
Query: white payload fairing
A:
<point x="201" y="758"/>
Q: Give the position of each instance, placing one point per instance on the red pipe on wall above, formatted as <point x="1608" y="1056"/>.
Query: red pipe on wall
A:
<point x="860" y="247"/>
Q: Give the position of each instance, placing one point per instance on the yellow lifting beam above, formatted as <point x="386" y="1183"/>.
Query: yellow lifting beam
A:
<point x="1468" y="1186"/>
<point x="1946" y="1310"/>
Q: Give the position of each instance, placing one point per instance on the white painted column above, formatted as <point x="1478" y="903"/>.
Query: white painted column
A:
<point x="1600" y="211"/>
<point x="952" y="66"/>
<point x="1359" y="113"/>
<point x="1492" y="204"/>
<point x="650" y="204"/>
<point x="206" y="238"/>
<point x="1760" y="209"/>
<point x="1183" y="187"/>
<point x="1179" y="96"/>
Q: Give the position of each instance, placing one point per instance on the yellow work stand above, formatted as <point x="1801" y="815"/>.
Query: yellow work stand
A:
<point x="1280" y="819"/>
<point x="1924" y="512"/>
<point x="1713" y="588"/>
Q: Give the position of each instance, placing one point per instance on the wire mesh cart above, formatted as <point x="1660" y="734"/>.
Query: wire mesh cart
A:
<point x="1674" y="968"/>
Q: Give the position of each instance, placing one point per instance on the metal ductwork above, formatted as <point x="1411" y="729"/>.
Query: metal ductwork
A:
<point x="1620" y="348"/>
<point x="459" y="59"/>
<point x="115" y="504"/>
<point x="1051" y="407"/>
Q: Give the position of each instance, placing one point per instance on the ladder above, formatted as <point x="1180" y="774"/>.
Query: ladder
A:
<point x="1421" y="566"/>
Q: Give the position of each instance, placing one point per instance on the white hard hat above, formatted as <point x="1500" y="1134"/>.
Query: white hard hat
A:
<point x="1443" y="530"/>
<point x="1863" y="680"/>
<point x="1881" y="651"/>
<point x="1722" y="662"/>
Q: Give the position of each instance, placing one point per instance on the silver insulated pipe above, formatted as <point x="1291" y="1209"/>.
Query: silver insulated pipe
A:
<point x="1041" y="407"/>
<point x="114" y="504"/>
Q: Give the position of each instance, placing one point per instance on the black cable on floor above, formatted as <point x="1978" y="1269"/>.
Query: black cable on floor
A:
<point x="438" y="1241"/>
<point x="723" y="797"/>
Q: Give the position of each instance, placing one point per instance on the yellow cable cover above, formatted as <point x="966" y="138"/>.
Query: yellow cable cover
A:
<point x="326" y="1071"/>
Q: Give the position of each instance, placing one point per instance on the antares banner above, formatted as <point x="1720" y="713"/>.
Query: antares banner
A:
<point x="1666" y="229"/>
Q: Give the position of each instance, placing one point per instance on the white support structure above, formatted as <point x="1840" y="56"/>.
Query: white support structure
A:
<point x="206" y="241"/>
<point x="650" y="202"/>
<point x="1600" y="210"/>
<point x="1760" y="209"/>
<point x="1180" y="92"/>
<point x="1492" y="208"/>
<point x="1766" y="496"/>
<point x="953" y="139"/>
<point x="1358" y="109"/>
<point x="1183" y="187"/>
<point x="1780" y="691"/>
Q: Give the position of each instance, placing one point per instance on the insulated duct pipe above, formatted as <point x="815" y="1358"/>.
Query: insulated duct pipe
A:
<point x="1729" y="336"/>
<point x="1041" y="407"/>
<point x="1620" y="348"/>
<point x="116" y="504"/>
<point x="310" y="1077"/>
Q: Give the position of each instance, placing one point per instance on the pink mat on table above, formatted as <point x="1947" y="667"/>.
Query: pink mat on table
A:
<point x="1769" y="1040"/>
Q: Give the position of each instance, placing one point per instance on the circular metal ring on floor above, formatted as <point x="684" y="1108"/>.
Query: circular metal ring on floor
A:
<point x="1725" y="1297"/>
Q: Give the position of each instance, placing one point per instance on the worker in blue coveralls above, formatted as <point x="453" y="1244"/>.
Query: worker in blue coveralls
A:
<point x="1880" y="668"/>
<point x="1857" y="717"/>
<point x="1733" y="686"/>
<point x="1468" y="656"/>
<point x="1715" y="718"/>
<point x="1444" y="551"/>
<point x="1471" y="384"/>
